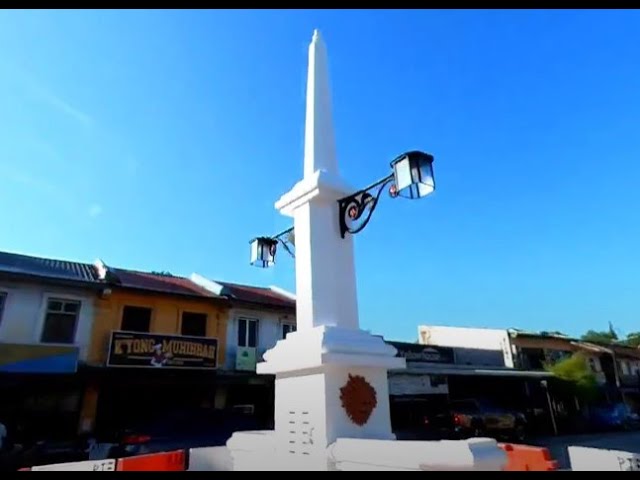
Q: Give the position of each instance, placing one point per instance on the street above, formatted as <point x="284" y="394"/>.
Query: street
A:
<point x="625" y="441"/>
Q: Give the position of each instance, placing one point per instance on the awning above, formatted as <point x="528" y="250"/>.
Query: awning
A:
<point x="27" y="358"/>
<point x="472" y="371"/>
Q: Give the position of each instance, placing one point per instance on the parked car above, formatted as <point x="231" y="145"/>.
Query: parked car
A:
<point x="478" y="418"/>
<point x="614" y="417"/>
<point x="174" y="430"/>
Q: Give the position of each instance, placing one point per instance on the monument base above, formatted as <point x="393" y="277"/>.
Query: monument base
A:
<point x="331" y="382"/>
<point x="257" y="451"/>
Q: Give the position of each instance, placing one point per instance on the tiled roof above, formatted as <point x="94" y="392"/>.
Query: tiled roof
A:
<point x="46" y="267"/>
<point x="160" y="283"/>
<point x="258" y="295"/>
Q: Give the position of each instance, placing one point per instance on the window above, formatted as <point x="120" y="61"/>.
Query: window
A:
<point x="136" y="319"/>
<point x="247" y="332"/>
<point x="624" y="366"/>
<point x="3" y="299"/>
<point x="60" y="321"/>
<point x="287" y="328"/>
<point x="194" y="324"/>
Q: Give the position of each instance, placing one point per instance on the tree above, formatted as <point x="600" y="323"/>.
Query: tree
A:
<point x="600" y="337"/>
<point x="612" y="331"/>
<point x="632" y="340"/>
<point x="575" y="371"/>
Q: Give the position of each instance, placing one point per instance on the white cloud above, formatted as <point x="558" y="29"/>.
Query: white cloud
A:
<point x="95" y="210"/>
<point x="25" y="179"/>
<point x="41" y="92"/>
<point x="64" y="107"/>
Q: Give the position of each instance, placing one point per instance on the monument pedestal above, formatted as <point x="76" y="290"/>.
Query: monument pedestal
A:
<point x="331" y="383"/>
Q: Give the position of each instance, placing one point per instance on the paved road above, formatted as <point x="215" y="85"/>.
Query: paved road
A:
<point x="625" y="441"/>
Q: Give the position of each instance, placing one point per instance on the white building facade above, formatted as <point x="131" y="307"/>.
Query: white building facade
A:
<point x="496" y="340"/>
<point x="39" y="313"/>
<point x="48" y="304"/>
<point x="258" y="318"/>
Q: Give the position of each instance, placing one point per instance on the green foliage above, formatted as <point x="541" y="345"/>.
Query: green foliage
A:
<point x="632" y="340"/>
<point x="610" y="336"/>
<point x="576" y="372"/>
<point x="163" y="273"/>
<point x="600" y="337"/>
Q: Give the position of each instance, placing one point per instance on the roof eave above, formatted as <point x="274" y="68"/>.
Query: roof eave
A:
<point x="55" y="280"/>
<point x="153" y="291"/>
<point x="240" y="303"/>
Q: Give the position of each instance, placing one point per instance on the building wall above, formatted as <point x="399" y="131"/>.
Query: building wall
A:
<point x="544" y="343"/>
<point x="24" y="311"/>
<point x="629" y="366"/>
<point x="479" y="357"/>
<point x="407" y="384"/>
<point x="165" y="318"/>
<point x="560" y="345"/>
<point x="269" y="331"/>
<point x="472" y="338"/>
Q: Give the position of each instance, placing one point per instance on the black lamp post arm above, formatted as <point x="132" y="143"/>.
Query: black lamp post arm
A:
<point x="358" y="207"/>
<point x="284" y="239"/>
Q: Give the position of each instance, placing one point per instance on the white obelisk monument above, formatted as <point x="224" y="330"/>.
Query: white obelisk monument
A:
<point x="331" y="377"/>
<point x="331" y="396"/>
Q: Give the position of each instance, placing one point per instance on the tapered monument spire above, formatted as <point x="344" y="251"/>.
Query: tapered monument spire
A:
<point x="320" y="145"/>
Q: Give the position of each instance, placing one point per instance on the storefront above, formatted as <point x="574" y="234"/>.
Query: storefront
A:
<point x="40" y="393"/>
<point x="147" y="376"/>
<point x="436" y="375"/>
<point x="28" y="358"/>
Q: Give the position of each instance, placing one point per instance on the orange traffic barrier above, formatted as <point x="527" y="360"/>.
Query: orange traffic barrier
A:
<point x="527" y="458"/>
<point x="156" y="462"/>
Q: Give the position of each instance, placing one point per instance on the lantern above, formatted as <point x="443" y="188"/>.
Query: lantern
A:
<point x="263" y="252"/>
<point x="413" y="175"/>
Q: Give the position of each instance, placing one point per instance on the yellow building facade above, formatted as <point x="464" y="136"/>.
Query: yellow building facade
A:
<point x="137" y="312"/>
<point x="166" y="319"/>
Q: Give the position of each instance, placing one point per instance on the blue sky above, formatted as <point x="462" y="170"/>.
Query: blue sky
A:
<point x="160" y="141"/>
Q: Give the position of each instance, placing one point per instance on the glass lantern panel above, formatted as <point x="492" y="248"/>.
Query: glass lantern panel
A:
<point x="255" y="252"/>
<point x="402" y="171"/>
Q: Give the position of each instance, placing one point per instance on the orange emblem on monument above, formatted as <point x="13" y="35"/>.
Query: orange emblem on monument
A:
<point x="359" y="399"/>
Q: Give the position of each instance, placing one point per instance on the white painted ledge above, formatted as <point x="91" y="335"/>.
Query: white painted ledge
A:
<point x="257" y="451"/>
<point x="322" y="185"/>
<point x="329" y="345"/>
<point x="478" y="454"/>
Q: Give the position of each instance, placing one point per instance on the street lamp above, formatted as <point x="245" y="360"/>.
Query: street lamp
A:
<point x="264" y="249"/>
<point x="411" y="177"/>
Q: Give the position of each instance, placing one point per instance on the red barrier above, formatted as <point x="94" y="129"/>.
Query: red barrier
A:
<point x="527" y="458"/>
<point x="25" y="469"/>
<point x="156" y="462"/>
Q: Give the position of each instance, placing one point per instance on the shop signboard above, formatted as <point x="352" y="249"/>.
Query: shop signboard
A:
<point x="246" y="359"/>
<point x="136" y="349"/>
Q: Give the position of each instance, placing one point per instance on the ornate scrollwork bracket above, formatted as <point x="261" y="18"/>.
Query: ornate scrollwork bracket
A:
<point x="287" y="239"/>
<point x="355" y="210"/>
